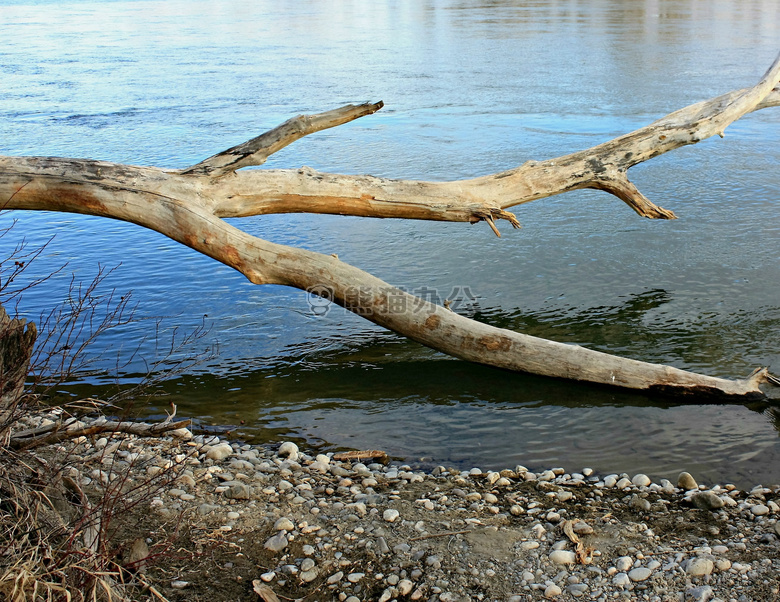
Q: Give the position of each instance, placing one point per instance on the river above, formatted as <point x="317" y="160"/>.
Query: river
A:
<point x="470" y="88"/>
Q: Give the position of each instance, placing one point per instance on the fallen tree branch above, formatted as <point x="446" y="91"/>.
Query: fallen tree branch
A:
<point x="188" y="206"/>
<point x="59" y="431"/>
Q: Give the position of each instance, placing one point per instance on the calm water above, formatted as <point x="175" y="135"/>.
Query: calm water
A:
<point x="470" y="88"/>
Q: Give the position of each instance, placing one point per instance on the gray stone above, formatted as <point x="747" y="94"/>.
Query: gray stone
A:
<point x="277" y="543"/>
<point x="641" y="480"/>
<point x="205" y="509"/>
<point x="288" y="450"/>
<point x="578" y="589"/>
<point x="640" y="504"/>
<point x="621" y="580"/>
<point x="284" y="524"/>
<point x="707" y="500"/>
<point x="335" y="577"/>
<point x="640" y="574"/>
<point x="582" y="528"/>
<point x="552" y="591"/>
<point x="405" y="587"/>
<point x="308" y="576"/>
<point x="686" y="481"/>
<point x="699" y="594"/>
<point x="563" y="557"/>
<point x="698" y="567"/>
<point x="219" y="452"/>
<point x="624" y="563"/>
<point x="391" y="515"/>
<point x="238" y="491"/>
<point x="759" y="510"/>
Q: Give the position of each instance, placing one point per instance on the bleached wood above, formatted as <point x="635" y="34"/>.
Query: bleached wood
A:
<point x="188" y="206"/>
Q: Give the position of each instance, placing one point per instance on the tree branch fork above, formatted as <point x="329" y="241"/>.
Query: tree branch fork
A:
<point x="189" y="205"/>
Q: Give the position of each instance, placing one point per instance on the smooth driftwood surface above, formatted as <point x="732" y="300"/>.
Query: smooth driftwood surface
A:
<point x="188" y="206"/>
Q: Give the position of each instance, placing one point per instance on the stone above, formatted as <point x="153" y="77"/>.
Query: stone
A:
<point x="723" y="564"/>
<point x="699" y="567"/>
<point x="610" y="481"/>
<point x="268" y="577"/>
<point x="355" y="577"/>
<point x="308" y="576"/>
<point x="219" y="452"/>
<point x="563" y="557"/>
<point x="238" y="491"/>
<point x="582" y="528"/>
<point x="623" y="483"/>
<point x="577" y="589"/>
<point x="205" y="509"/>
<point x="405" y="587"/>
<point x="640" y="504"/>
<point x="641" y="480"/>
<point x="284" y="524"/>
<point x="335" y="577"/>
<point x="686" y="481"/>
<point x="621" y="580"/>
<point x="707" y="500"/>
<point x="641" y="573"/>
<point x="759" y="510"/>
<point x="624" y="563"/>
<point x="288" y="450"/>
<point x="699" y="594"/>
<point x="391" y="515"/>
<point x="277" y="543"/>
<point x="552" y="590"/>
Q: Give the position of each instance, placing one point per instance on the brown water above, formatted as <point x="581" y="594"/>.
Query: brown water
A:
<point x="470" y="88"/>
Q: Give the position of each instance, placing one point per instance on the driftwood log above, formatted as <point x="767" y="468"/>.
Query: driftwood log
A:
<point x="188" y="206"/>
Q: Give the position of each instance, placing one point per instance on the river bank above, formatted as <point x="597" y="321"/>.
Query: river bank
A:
<point x="210" y="519"/>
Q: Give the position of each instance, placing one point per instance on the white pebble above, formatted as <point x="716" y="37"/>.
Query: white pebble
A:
<point x="390" y="515"/>
<point x="563" y="557"/>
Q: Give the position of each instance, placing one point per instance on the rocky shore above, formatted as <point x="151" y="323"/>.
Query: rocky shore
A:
<point x="217" y="520"/>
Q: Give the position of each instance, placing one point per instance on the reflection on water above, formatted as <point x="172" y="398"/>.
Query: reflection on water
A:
<point x="470" y="88"/>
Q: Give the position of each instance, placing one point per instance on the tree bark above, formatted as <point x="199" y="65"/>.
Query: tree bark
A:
<point x="188" y="206"/>
<point x="17" y="338"/>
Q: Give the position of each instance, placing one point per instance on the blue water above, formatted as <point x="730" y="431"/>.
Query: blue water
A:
<point x="470" y="88"/>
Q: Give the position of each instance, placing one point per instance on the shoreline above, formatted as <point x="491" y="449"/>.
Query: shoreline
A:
<point x="248" y="519"/>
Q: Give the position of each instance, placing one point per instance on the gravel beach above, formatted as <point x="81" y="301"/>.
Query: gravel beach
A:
<point x="228" y="521"/>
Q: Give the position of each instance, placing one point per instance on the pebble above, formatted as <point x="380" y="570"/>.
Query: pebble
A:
<point x="621" y="580"/>
<point x="328" y="517"/>
<point x="703" y="593"/>
<point x="698" y="567"/>
<point x="552" y="590"/>
<point x="640" y="574"/>
<point x="391" y="515"/>
<point x="405" y="587"/>
<point x="686" y="481"/>
<point x="284" y="524"/>
<point x="277" y="543"/>
<point x="563" y="557"/>
<point x="219" y="452"/>
<point x="707" y="500"/>
<point x="288" y="450"/>
<point x="759" y="510"/>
